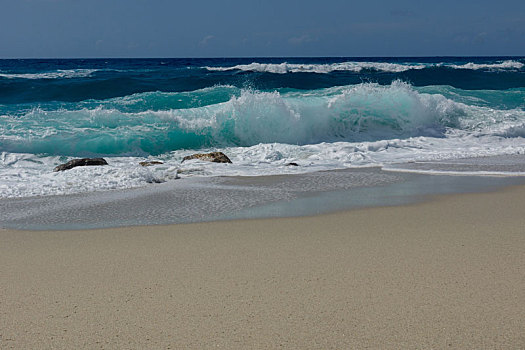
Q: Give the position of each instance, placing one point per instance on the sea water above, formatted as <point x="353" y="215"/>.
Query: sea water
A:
<point x="428" y="115"/>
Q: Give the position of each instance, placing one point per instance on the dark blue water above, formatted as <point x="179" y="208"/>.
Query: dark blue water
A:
<point x="73" y="80"/>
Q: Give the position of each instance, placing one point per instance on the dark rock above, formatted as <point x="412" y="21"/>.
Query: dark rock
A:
<point x="150" y="163"/>
<point x="292" y="164"/>
<point x="215" y="157"/>
<point x="80" y="162"/>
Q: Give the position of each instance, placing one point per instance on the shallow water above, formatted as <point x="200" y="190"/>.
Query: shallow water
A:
<point x="225" y="198"/>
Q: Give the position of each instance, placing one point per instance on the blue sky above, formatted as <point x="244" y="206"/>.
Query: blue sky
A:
<point x="234" y="28"/>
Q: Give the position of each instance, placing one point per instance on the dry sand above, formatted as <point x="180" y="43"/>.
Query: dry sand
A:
<point x="449" y="273"/>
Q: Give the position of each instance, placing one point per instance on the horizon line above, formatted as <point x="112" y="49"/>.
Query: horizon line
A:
<point x="244" y="57"/>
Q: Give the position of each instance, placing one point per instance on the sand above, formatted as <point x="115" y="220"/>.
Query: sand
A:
<point x="448" y="273"/>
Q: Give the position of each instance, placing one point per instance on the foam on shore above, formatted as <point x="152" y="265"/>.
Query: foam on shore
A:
<point x="224" y="198"/>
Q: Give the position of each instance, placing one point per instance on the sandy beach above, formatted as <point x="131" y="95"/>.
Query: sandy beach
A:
<point x="447" y="273"/>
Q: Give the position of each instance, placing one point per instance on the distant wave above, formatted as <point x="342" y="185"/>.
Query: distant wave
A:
<point x="58" y="74"/>
<point x="283" y="68"/>
<point x="509" y="64"/>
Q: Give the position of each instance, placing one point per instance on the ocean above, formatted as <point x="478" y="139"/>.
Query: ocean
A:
<point x="422" y="115"/>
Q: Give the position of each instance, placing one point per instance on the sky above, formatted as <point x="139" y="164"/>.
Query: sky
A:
<point x="260" y="28"/>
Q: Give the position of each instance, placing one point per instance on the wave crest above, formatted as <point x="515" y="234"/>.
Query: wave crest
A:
<point x="283" y="68"/>
<point x="362" y="112"/>
<point x="357" y="67"/>
<point x="509" y="64"/>
<point x="58" y="74"/>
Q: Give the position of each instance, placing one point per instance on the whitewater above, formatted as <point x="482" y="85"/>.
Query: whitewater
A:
<point x="401" y="115"/>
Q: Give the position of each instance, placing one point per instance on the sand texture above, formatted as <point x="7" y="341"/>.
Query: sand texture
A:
<point x="449" y="273"/>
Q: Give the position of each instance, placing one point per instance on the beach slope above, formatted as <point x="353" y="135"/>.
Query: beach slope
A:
<point x="448" y="273"/>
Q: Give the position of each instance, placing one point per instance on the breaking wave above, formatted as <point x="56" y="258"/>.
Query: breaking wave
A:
<point x="225" y="116"/>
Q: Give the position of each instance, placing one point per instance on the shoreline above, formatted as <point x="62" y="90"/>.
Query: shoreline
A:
<point x="445" y="273"/>
<point x="211" y="199"/>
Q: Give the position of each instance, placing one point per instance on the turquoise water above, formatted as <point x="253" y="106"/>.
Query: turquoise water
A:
<point x="151" y="107"/>
<point x="322" y="113"/>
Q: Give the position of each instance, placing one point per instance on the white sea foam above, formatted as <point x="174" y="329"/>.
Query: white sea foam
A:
<point x="509" y="64"/>
<point x="58" y="74"/>
<point x="23" y="175"/>
<point x="283" y="68"/>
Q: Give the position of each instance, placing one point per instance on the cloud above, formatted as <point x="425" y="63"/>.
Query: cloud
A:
<point x="480" y="38"/>
<point x="471" y="38"/>
<point x="206" y="40"/>
<point x="299" y="40"/>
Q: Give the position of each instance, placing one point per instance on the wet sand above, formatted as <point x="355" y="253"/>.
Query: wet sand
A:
<point x="447" y="273"/>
